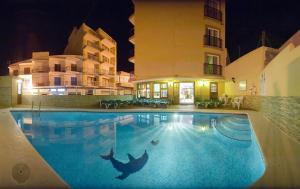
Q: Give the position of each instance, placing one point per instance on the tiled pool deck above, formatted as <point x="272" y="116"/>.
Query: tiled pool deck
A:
<point x="280" y="152"/>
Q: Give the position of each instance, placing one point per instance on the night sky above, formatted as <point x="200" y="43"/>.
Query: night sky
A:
<point x="44" y="25"/>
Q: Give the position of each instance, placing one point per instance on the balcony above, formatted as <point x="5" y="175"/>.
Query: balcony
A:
<point x="93" y="57"/>
<point x="41" y="70"/>
<point x="96" y="46"/>
<point x="212" y="69"/>
<point x="212" y="41"/>
<point x="131" y="56"/>
<point x="132" y="19"/>
<point x="212" y="12"/>
<point x="131" y="38"/>
<point x="106" y="52"/>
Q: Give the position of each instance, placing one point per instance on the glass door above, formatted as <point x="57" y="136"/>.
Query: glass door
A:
<point x="186" y="93"/>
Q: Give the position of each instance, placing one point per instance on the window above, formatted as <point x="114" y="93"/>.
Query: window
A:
<point x="156" y="93"/>
<point x="57" y="67"/>
<point x="26" y="70"/>
<point x="141" y="93"/>
<point x="164" y="90"/>
<point x="105" y="59"/>
<point x="57" y="81"/>
<point x="160" y="90"/>
<point x="73" y="80"/>
<point x="212" y="37"/>
<point x="73" y="67"/>
<point x="212" y="32"/>
<point x="213" y="88"/>
<point x="212" y="9"/>
<point x="213" y="3"/>
<point x="212" y="59"/>
<point x="147" y="90"/>
<point x="243" y="85"/>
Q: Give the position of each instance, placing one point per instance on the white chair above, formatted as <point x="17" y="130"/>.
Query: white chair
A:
<point x="237" y="101"/>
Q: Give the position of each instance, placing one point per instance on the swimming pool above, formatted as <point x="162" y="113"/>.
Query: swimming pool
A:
<point x="146" y="150"/>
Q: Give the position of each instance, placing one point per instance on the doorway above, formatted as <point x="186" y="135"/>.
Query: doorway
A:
<point x="186" y="93"/>
<point x="213" y="90"/>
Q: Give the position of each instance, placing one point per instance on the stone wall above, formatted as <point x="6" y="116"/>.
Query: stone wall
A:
<point x="70" y="101"/>
<point x="283" y="112"/>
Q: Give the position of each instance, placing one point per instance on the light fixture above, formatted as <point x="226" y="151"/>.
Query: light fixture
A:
<point x="233" y="79"/>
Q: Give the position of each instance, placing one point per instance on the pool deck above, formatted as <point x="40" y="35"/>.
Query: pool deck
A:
<point x="281" y="153"/>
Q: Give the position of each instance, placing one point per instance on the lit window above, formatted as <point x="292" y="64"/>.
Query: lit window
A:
<point x="243" y="85"/>
<point x="141" y="90"/>
<point x="212" y="59"/>
<point x="147" y="90"/>
<point x="156" y="93"/>
<point x="164" y="90"/>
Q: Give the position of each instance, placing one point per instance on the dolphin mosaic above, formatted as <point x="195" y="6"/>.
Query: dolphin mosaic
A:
<point x="134" y="164"/>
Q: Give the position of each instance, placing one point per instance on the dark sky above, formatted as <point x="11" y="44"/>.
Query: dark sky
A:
<point x="44" y="25"/>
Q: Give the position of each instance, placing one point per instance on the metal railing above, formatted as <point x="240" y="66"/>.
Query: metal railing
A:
<point x="212" y="41"/>
<point x="212" y="12"/>
<point x="212" y="69"/>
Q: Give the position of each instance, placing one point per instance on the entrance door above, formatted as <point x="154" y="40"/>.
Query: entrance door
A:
<point x="186" y="93"/>
<point x="213" y="90"/>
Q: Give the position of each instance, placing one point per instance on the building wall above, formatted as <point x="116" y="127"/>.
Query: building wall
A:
<point x="201" y="89"/>
<point x="281" y="76"/>
<point x="8" y="91"/>
<point x="283" y="112"/>
<point x="247" y="68"/>
<point x="169" y="38"/>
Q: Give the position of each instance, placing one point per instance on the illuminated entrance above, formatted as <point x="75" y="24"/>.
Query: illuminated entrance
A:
<point x="186" y="93"/>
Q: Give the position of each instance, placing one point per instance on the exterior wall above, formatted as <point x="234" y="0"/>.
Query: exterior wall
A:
<point x="8" y="91"/>
<point x="68" y="101"/>
<point x="283" y="112"/>
<point x="247" y="68"/>
<point x="201" y="89"/>
<point x="281" y="76"/>
<point x="169" y="39"/>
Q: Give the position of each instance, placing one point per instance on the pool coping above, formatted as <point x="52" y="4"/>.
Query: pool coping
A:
<point x="272" y="177"/>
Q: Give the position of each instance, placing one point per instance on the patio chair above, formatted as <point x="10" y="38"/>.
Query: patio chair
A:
<point x="237" y="101"/>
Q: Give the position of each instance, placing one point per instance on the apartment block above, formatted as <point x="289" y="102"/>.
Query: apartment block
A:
<point x="55" y="75"/>
<point x="99" y="52"/>
<point x="179" y="49"/>
<point x="124" y="82"/>
<point x="50" y="75"/>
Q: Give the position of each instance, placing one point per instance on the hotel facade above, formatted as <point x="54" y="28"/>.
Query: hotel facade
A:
<point x="179" y="49"/>
<point x="99" y="52"/>
<point x="88" y="67"/>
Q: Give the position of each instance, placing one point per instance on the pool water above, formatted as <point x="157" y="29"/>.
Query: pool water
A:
<point x="167" y="150"/>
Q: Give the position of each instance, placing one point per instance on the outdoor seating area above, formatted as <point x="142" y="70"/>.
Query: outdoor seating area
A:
<point x="153" y="103"/>
<point x="222" y="102"/>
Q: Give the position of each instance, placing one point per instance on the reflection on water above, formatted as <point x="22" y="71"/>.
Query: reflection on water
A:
<point x="42" y="129"/>
<point x="210" y="147"/>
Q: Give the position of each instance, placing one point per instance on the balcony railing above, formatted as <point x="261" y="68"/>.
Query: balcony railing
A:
<point x="212" y="69"/>
<point x="212" y="41"/>
<point x="93" y="57"/>
<point x="93" y="45"/>
<point x="212" y="12"/>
